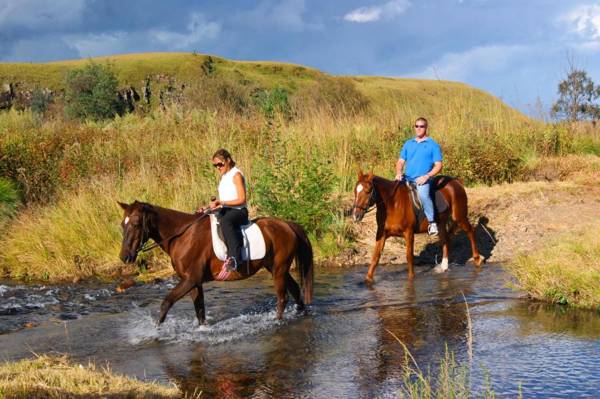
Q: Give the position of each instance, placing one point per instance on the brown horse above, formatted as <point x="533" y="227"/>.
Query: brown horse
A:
<point x="396" y="217"/>
<point x="187" y="239"/>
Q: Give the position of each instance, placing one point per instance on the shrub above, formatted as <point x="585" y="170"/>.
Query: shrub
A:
<point x="9" y="199"/>
<point x="273" y="102"/>
<point x="40" y="100"/>
<point x="296" y="188"/>
<point x="91" y="93"/>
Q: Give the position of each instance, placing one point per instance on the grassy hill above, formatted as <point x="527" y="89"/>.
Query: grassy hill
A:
<point x="297" y="133"/>
<point x="133" y="69"/>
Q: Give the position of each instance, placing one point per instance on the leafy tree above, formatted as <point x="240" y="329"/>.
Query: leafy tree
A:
<point x="91" y="93"/>
<point x="578" y="94"/>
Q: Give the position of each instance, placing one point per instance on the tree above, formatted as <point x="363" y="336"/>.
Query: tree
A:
<point x="91" y="93"/>
<point x="578" y="94"/>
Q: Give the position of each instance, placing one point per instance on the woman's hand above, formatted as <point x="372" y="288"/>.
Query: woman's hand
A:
<point x="215" y="204"/>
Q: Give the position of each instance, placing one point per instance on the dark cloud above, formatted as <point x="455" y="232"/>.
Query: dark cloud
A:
<point x="493" y="45"/>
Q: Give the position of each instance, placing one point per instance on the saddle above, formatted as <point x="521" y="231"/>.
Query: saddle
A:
<point x="439" y="202"/>
<point x="254" y="241"/>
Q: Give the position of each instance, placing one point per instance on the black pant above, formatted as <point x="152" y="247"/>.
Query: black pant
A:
<point x="231" y="219"/>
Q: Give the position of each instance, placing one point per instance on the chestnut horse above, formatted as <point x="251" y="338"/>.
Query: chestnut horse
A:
<point x="187" y="239"/>
<point x="396" y="217"/>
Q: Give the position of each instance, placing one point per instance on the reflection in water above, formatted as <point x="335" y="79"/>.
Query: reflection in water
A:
<point x="342" y="348"/>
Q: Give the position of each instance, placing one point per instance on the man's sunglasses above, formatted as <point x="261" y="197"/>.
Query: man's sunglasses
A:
<point x="218" y="165"/>
<point x="420" y="126"/>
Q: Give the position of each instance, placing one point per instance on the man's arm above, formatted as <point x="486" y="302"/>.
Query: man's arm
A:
<point x="437" y="167"/>
<point x="400" y="168"/>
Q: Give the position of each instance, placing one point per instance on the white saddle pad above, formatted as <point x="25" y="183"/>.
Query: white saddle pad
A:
<point x="254" y="242"/>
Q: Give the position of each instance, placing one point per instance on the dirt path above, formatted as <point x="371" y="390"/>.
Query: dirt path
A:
<point x="518" y="218"/>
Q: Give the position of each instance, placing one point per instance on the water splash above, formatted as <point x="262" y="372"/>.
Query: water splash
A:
<point x="142" y="327"/>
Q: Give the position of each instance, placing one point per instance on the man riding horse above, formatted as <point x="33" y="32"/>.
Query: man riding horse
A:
<point x="423" y="159"/>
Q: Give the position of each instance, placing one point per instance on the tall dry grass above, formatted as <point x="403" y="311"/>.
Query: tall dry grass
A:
<point x="58" y="377"/>
<point x="71" y="174"/>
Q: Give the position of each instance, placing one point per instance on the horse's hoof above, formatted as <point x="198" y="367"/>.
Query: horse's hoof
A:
<point x="369" y="280"/>
<point x="440" y="268"/>
<point x="478" y="262"/>
<point x="300" y="309"/>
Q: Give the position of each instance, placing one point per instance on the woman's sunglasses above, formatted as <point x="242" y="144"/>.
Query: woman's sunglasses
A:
<point x="218" y="165"/>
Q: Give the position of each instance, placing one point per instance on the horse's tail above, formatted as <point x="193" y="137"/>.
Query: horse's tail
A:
<point x="304" y="261"/>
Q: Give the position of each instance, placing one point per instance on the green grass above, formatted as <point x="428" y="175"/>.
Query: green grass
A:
<point x="58" y="377"/>
<point x="566" y="272"/>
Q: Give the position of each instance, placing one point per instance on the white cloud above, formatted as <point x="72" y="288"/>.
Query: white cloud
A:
<point x="198" y="29"/>
<point x="483" y="59"/>
<point x="40" y="14"/>
<point x="585" y="21"/>
<point x="389" y="10"/>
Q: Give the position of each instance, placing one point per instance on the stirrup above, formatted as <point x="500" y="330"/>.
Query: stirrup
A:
<point x="230" y="264"/>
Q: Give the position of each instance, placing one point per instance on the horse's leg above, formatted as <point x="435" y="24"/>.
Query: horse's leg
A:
<point x="280" y="290"/>
<point x="444" y="241"/>
<point x="294" y="290"/>
<point x="379" y="244"/>
<point x="466" y="226"/>
<point x="197" y="294"/>
<point x="181" y="289"/>
<point x="409" y="237"/>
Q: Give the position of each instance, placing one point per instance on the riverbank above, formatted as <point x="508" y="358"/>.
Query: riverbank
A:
<point x="58" y="377"/>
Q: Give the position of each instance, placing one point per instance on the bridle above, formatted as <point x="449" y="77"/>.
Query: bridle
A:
<point x="146" y="233"/>
<point x="374" y="200"/>
<point x="371" y="202"/>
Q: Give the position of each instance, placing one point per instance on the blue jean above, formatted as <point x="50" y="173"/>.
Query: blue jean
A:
<point x="425" y="197"/>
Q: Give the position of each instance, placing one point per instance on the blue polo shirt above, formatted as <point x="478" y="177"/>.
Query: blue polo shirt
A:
<point x="420" y="157"/>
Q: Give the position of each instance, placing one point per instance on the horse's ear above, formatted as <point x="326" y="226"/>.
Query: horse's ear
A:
<point x="123" y="205"/>
<point x="360" y="174"/>
<point x="370" y="176"/>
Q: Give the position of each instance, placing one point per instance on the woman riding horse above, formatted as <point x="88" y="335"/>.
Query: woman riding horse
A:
<point x="233" y="212"/>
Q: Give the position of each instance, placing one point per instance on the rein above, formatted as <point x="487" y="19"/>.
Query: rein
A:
<point x="146" y="233"/>
<point x="372" y="202"/>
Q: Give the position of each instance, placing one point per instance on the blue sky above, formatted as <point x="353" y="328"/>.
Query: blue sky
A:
<point x="517" y="50"/>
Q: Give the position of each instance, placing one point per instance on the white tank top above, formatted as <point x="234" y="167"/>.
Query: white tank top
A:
<point x="227" y="190"/>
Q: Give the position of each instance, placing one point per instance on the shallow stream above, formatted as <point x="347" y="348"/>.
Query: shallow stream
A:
<point x="342" y="349"/>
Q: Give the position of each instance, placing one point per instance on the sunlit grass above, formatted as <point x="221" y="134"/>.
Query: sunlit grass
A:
<point x="567" y="271"/>
<point x="58" y="377"/>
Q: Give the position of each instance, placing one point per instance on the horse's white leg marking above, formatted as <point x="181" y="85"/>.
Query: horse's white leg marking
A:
<point x="442" y="267"/>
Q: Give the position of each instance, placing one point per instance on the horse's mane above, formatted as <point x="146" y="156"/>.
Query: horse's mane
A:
<point x="167" y="212"/>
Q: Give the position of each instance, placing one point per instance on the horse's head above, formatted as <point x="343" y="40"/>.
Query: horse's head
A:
<point x="136" y="226"/>
<point x="364" y="195"/>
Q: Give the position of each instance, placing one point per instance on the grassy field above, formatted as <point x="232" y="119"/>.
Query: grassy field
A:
<point x="70" y="174"/>
<point x="58" y="377"/>
<point x="566" y="271"/>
